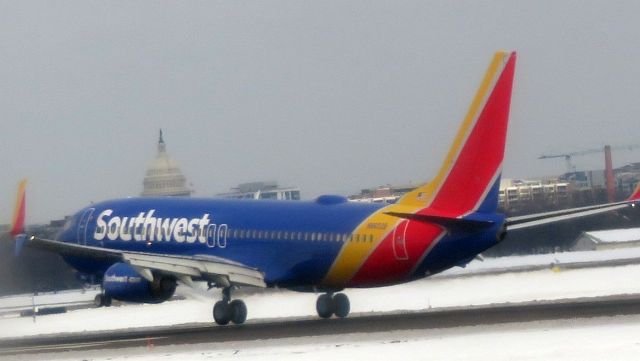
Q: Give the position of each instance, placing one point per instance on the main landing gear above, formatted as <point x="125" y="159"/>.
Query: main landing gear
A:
<point x="226" y="311"/>
<point x="329" y="304"/>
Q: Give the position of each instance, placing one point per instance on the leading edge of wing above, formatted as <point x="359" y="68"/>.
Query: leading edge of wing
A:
<point x="538" y="219"/>
<point x="217" y="269"/>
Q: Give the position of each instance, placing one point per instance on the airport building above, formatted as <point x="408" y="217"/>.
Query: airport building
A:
<point x="608" y="239"/>
<point x="262" y="190"/>
<point x="163" y="176"/>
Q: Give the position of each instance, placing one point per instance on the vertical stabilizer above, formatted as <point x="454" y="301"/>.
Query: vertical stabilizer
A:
<point x="469" y="178"/>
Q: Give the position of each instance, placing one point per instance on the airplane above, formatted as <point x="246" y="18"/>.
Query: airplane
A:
<point x="141" y="247"/>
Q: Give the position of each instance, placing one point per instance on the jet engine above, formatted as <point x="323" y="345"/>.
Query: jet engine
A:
<point x="122" y="282"/>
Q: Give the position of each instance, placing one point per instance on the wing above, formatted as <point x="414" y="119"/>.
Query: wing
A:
<point x="221" y="271"/>
<point x="533" y="220"/>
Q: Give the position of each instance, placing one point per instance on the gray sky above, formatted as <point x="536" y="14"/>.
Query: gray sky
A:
<point x="331" y="96"/>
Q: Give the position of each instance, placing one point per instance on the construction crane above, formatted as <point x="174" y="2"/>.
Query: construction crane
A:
<point x="568" y="156"/>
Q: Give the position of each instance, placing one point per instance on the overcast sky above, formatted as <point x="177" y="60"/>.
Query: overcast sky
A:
<point x="330" y="96"/>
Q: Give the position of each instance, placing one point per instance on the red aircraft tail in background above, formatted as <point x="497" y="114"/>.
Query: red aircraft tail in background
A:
<point x="19" y="210"/>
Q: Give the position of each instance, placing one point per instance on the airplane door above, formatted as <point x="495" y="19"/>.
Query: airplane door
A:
<point x="82" y="226"/>
<point x="399" y="241"/>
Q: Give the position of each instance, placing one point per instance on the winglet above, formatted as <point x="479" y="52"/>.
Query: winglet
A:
<point x="19" y="210"/>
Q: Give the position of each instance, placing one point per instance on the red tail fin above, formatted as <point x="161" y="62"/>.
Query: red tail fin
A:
<point x="636" y="194"/>
<point x="19" y="210"/>
<point x="469" y="178"/>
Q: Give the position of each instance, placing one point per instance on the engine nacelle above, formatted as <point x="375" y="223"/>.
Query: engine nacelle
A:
<point x="122" y="282"/>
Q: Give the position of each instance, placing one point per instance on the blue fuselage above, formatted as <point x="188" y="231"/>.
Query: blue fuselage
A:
<point x="294" y="243"/>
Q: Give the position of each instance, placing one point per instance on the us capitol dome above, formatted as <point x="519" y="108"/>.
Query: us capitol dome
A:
<point x="163" y="177"/>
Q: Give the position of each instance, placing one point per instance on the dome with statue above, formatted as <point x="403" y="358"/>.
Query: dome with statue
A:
<point x="163" y="177"/>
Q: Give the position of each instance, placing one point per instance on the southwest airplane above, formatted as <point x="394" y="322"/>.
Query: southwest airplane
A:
<point x="141" y="247"/>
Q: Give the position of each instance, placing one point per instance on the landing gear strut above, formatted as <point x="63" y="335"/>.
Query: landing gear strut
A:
<point x="226" y="311"/>
<point x="329" y="304"/>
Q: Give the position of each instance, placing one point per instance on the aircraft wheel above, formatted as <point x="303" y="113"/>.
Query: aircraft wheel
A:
<point x="238" y="312"/>
<point x="341" y="305"/>
<point x="98" y="301"/>
<point x="221" y="313"/>
<point x="324" y="305"/>
<point x="102" y="300"/>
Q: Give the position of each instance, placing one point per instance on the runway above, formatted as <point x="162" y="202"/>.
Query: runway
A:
<point x="356" y="323"/>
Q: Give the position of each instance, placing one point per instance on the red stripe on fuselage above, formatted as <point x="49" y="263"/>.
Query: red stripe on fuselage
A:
<point x="386" y="265"/>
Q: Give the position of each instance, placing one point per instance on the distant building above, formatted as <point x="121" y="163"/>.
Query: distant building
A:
<point x="515" y="193"/>
<point x="383" y="194"/>
<point x="610" y="239"/>
<point x="262" y="190"/>
<point x="627" y="178"/>
<point x="163" y="177"/>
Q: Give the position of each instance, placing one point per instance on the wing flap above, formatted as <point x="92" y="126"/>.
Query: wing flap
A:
<point x="200" y="268"/>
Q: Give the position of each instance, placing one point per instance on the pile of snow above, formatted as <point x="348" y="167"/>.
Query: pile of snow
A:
<point x="588" y="258"/>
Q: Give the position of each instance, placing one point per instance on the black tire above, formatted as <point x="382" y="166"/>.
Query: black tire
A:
<point x="221" y="313"/>
<point x="341" y="305"/>
<point x="324" y="306"/>
<point x="98" y="301"/>
<point x="106" y="301"/>
<point x="238" y="312"/>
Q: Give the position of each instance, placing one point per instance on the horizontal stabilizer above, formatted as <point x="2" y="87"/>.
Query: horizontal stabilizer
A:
<point x="462" y="224"/>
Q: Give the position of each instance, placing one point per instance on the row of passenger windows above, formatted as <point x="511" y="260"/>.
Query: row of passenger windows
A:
<point x="299" y="236"/>
<point x="259" y="234"/>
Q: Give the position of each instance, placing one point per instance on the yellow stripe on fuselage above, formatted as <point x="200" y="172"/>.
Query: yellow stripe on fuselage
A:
<point x="353" y="254"/>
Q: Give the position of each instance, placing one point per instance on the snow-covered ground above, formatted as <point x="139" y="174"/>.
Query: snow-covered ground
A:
<point x="615" y="338"/>
<point x="593" y="258"/>
<point x="61" y="298"/>
<point x="488" y="265"/>
<point x="604" y="338"/>
<point x="548" y="284"/>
